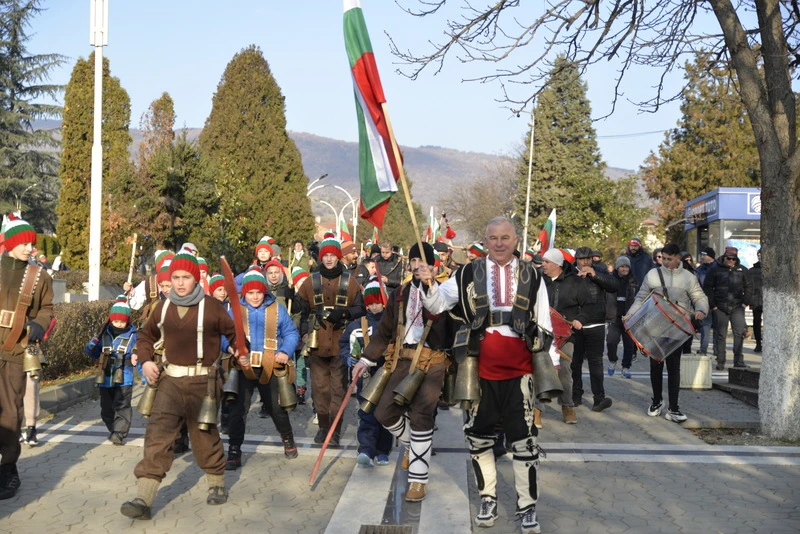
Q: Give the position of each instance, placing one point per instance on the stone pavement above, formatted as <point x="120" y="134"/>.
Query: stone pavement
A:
<point x="616" y="471"/>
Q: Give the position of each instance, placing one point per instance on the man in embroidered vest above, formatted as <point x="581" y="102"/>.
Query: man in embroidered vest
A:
<point x="26" y="301"/>
<point x="403" y="324"/>
<point x="333" y="296"/>
<point x="273" y="339"/>
<point x="496" y="296"/>
<point x="188" y="373"/>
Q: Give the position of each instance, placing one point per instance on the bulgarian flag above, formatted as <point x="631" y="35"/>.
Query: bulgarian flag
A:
<point x="344" y="232"/>
<point x="548" y="234"/>
<point x="378" y="170"/>
<point x="375" y="235"/>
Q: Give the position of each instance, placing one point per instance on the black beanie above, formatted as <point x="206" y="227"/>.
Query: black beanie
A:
<point x="414" y="253"/>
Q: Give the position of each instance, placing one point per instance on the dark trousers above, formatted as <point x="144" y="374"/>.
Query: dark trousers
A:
<point x="705" y="332"/>
<point x="757" y="313"/>
<point x="373" y="439"/>
<point x="721" y="319"/>
<point x="115" y="409"/>
<point x="420" y="413"/>
<point x="327" y="387"/>
<point x="178" y="400"/>
<point x="240" y="407"/>
<point x="12" y="391"/>
<point x="673" y="362"/>
<point x="589" y="347"/>
<point x="616" y="330"/>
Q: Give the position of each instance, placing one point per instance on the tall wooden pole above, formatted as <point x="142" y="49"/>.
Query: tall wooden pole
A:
<point x="528" y="193"/>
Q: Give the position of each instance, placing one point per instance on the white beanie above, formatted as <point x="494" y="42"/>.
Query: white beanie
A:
<point x="554" y="255"/>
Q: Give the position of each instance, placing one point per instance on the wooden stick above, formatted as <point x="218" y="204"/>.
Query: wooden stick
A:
<point x="332" y="430"/>
<point x="133" y="258"/>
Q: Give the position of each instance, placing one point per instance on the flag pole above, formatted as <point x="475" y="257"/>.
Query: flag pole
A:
<point x="396" y="151"/>
<point x="528" y="194"/>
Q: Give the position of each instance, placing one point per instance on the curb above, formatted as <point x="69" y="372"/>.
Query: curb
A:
<point x="54" y="399"/>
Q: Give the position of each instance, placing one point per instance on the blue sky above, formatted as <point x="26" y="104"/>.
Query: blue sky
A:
<point x="183" y="46"/>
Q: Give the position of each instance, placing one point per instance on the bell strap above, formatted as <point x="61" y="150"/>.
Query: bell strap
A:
<point x="24" y="301"/>
<point x="420" y="344"/>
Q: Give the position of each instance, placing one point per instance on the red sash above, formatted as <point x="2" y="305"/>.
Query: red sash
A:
<point x="503" y="357"/>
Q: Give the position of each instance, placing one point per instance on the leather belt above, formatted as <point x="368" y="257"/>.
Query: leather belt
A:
<point x="499" y="318"/>
<point x="255" y="358"/>
<point x="179" y="371"/>
<point x="6" y="318"/>
<point x="425" y="355"/>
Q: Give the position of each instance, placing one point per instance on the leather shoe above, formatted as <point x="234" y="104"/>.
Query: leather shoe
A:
<point x="136" y="509"/>
<point x="601" y="404"/>
<point x="9" y="482"/>
<point x="416" y="492"/>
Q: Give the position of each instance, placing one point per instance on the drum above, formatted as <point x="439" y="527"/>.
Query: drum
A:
<point x="562" y="328"/>
<point x="659" y="327"/>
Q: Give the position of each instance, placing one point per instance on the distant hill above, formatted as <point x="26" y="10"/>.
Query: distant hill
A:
<point x="434" y="171"/>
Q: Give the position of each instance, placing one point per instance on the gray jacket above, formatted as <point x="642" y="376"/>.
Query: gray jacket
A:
<point x="682" y="286"/>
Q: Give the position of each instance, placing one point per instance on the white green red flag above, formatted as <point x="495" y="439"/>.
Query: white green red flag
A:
<point x="375" y="235"/>
<point x="378" y="169"/>
<point x="548" y="234"/>
<point x="344" y="231"/>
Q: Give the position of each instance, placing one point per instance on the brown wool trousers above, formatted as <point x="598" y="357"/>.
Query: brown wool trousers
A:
<point x="178" y="400"/>
<point x="12" y="391"/>
<point x="328" y="378"/>
<point x="420" y="413"/>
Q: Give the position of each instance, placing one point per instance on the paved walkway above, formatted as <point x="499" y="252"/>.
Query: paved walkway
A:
<point x="616" y="471"/>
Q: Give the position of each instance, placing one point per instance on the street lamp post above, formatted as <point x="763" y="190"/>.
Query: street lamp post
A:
<point x="355" y="210"/>
<point x="21" y="196"/>
<point x="308" y="188"/>
<point x="341" y="216"/>
<point x="335" y="213"/>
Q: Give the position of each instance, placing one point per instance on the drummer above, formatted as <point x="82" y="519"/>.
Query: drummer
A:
<point x="568" y="294"/>
<point x="682" y="289"/>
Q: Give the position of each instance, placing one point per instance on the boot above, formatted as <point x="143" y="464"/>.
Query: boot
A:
<point x="9" y="481"/>
<point x="569" y="415"/>
<point x="217" y="494"/>
<point x="334" y="442"/>
<point x="324" y="423"/>
<point x="758" y="347"/>
<point x="289" y="447"/>
<point x="234" y="460"/>
<point x="140" y="507"/>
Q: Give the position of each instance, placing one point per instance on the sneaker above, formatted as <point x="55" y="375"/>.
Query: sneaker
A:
<point x="416" y="492"/>
<point x="702" y="353"/>
<point x="320" y="436"/>
<point x="757" y="347"/>
<point x="626" y="372"/>
<point x="487" y="513"/>
<point x="382" y="459"/>
<point x="655" y="409"/>
<point x="262" y="413"/>
<point x="217" y="495"/>
<point x="334" y="442"/>
<point x="234" y="460"/>
<point x="529" y="523"/>
<point x="569" y="415"/>
<point x="740" y="365"/>
<point x="612" y="368"/>
<point x="315" y="421"/>
<point x="675" y="416"/>
<point x="364" y="460"/>
<point x="136" y="509"/>
<point x="537" y="418"/>
<point x="30" y="436"/>
<point x="289" y="447"/>
<point x="602" y="404"/>
<point x="116" y="438"/>
<point x="405" y="462"/>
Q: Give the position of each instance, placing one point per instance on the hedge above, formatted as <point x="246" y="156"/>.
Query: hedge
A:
<point x="76" y="279"/>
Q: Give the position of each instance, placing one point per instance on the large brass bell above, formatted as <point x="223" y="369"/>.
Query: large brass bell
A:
<point x="145" y="406"/>
<point x="31" y="363"/>
<point x="119" y="375"/>
<point x="408" y="387"/>
<point x="230" y="390"/>
<point x="313" y="339"/>
<point x="287" y="397"/>
<point x="467" y="389"/>
<point x="374" y="389"/>
<point x="101" y="377"/>
<point x="207" y="417"/>
<point x="545" y="377"/>
<point x="449" y="388"/>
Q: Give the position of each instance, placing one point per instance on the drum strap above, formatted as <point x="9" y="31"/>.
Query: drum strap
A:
<point x="663" y="284"/>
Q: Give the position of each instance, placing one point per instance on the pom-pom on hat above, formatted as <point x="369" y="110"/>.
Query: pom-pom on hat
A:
<point x="477" y="249"/>
<point x="216" y="281"/>
<point x="120" y="310"/>
<point x="185" y="261"/>
<point x="328" y="235"/>
<point x="254" y="281"/>
<point x="554" y="255"/>
<point x="298" y="275"/>
<point x="264" y="243"/>
<point x="17" y="232"/>
<point x="330" y="246"/>
<point x="372" y="292"/>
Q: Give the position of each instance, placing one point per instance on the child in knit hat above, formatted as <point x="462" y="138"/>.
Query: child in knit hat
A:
<point x="374" y="441"/>
<point x="113" y="348"/>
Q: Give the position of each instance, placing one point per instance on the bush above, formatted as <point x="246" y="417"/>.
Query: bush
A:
<point x="77" y="323"/>
<point x="76" y="279"/>
<point x="48" y="246"/>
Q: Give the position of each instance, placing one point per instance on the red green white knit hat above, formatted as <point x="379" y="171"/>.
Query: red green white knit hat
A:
<point x="163" y="273"/>
<point x="185" y="261"/>
<point x="203" y="265"/>
<point x="254" y="280"/>
<point x="120" y="311"/>
<point x="328" y="235"/>
<point x="298" y="274"/>
<point x="216" y="281"/>
<point x="372" y="292"/>
<point x="161" y="257"/>
<point x="17" y="232"/>
<point x="273" y="263"/>
<point x="330" y="246"/>
<point x="265" y="242"/>
<point x="477" y="249"/>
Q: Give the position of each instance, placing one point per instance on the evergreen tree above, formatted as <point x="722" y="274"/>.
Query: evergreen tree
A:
<point x="27" y="168"/>
<point x="258" y="176"/>
<point x="76" y="163"/>
<point x="568" y="170"/>
<point x="712" y="145"/>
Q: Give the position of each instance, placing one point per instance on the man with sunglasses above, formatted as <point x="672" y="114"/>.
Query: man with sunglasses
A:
<point x="726" y="286"/>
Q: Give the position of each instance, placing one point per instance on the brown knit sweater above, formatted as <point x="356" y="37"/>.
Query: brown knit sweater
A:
<point x="40" y="310"/>
<point x="180" y="334"/>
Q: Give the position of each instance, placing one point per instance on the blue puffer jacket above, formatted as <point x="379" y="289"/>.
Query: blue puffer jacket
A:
<point x="288" y="337"/>
<point x="121" y="349"/>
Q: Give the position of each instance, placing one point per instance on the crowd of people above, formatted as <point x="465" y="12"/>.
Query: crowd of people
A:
<point x="315" y="318"/>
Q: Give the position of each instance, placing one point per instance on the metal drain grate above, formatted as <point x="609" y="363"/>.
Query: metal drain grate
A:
<point x="386" y="529"/>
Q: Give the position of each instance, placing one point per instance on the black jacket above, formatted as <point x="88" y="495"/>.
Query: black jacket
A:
<point x="727" y="288"/>
<point x="392" y="269"/>
<point x="620" y="302"/>
<point x="569" y="295"/>
<point x="755" y="298"/>
<point x="599" y="285"/>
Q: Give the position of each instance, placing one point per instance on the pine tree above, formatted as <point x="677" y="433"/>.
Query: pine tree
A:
<point x="75" y="172"/>
<point x="568" y="169"/>
<point x="28" y="180"/>
<point x="258" y="171"/>
<point x="712" y="145"/>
